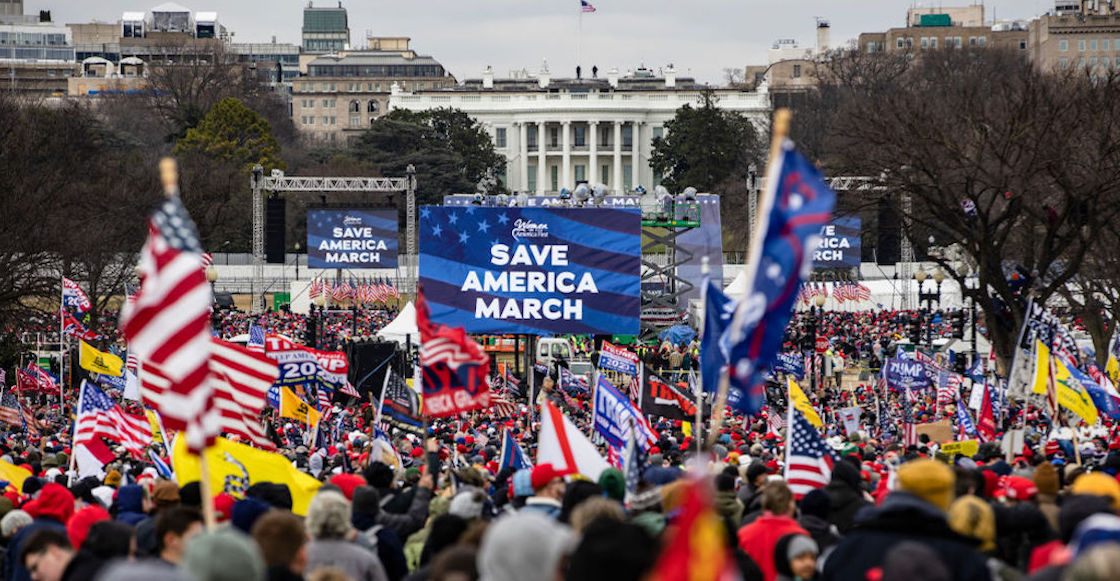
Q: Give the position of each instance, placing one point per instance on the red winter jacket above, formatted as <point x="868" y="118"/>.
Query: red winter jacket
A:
<point x="758" y="539"/>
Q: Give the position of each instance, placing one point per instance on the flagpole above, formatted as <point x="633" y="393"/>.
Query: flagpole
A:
<point x="778" y="136"/>
<point x="698" y="389"/>
<point x="579" y="38"/>
<point x="61" y="344"/>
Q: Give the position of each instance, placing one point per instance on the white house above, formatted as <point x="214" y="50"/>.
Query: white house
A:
<point x="556" y="133"/>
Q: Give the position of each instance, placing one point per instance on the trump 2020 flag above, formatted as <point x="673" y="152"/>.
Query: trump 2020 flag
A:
<point x="513" y="456"/>
<point x="718" y="309"/>
<point x="798" y="204"/>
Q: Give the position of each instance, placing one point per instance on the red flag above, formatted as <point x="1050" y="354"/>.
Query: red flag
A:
<point x="697" y="549"/>
<point x="986" y="423"/>
<point x="456" y="371"/>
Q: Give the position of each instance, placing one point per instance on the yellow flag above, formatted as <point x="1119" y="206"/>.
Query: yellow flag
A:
<point x="1112" y="369"/>
<point x="13" y="475"/>
<point x="1072" y="396"/>
<point x="153" y="422"/>
<point x="96" y="361"/>
<point x="291" y="406"/>
<point x="801" y="402"/>
<point x="236" y="467"/>
<point x="1041" y="368"/>
<point x="686" y="428"/>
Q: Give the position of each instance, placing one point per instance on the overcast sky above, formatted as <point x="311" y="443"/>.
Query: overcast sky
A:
<point x="699" y="37"/>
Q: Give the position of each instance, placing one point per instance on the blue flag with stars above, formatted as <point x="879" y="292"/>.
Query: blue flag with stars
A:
<point x="537" y="271"/>
<point x="718" y="309"/>
<point x="798" y="205"/>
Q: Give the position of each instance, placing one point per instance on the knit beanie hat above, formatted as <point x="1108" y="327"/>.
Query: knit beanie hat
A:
<point x="223" y="555"/>
<point x="972" y="517"/>
<point x="1099" y="528"/>
<point x="613" y="482"/>
<point x="930" y="480"/>
<point x="523" y="483"/>
<point x="526" y="546"/>
<point x="467" y="504"/>
<point x="1100" y="484"/>
<point x="366" y="501"/>
<point x="77" y="528"/>
<point x="1046" y="479"/>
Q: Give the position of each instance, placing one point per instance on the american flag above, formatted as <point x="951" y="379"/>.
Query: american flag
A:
<point x="206" y="259"/>
<point x="349" y="390"/>
<point x="240" y="379"/>
<point x="98" y="416"/>
<point x="635" y="461"/>
<point x="635" y="388"/>
<point x="341" y="292"/>
<point x="31" y="425"/>
<point x="10" y="409"/>
<point x="169" y="325"/>
<point x="256" y="338"/>
<point x="862" y="292"/>
<point x="809" y="460"/>
<point x="324" y="399"/>
<point x="775" y="422"/>
<point x="909" y="429"/>
<point x="315" y="289"/>
<point x="948" y="386"/>
<point x="585" y="6"/>
<point x="502" y="407"/>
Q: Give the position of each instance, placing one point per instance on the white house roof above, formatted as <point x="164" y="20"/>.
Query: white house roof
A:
<point x="132" y="16"/>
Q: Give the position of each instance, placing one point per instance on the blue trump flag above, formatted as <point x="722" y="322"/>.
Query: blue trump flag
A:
<point x="718" y="309"/>
<point x="512" y="455"/>
<point x="798" y="204"/>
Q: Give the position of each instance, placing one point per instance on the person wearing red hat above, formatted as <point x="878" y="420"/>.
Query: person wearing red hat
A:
<point x="548" y="490"/>
<point x="51" y="510"/>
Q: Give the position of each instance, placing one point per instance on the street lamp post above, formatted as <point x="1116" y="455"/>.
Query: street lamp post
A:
<point x="818" y="305"/>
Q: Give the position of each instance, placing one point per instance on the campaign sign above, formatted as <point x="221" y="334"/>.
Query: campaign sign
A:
<point x="352" y="238"/>
<point x="618" y="359"/>
<point x="839" y="245"/>
<point x="792" y="363"/>
<point x="906" y="373"/>
<point x="301" y="365"/>
<point x="534" y="271"/>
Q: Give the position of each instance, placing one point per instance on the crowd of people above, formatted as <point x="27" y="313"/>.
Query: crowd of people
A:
<point x="448" y="509"/>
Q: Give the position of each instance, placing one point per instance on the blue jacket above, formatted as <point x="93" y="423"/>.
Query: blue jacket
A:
<point x="130" y="504"/>
<point x="13" y="565"/>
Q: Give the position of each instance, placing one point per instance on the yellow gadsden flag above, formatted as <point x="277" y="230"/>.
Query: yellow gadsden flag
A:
<point x="96" y="361"/>
<point x="236" y="467"/>
<point x="13" y="475"/>
<point x="291" y="406"/>
<point x="801" y="402"/>
<point x="1072" y="395"/>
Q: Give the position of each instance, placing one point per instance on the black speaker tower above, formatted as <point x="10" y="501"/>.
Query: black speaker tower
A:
<point x="275" y="215"/>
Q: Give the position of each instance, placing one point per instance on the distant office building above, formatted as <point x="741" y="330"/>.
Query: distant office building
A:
<point x="325" y="29"/>
<point x="557" y="132"/>
<point x="1084" y="34"/>
<point x="342" y="94"/>
<point x="36" y="55"/>
<point x="276" y="62"/>
<point x="11" y="8"/>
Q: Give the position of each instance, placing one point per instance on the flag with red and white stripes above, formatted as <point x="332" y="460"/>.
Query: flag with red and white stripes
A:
<point x="168" y="326"/>
<point x="206" y="259"/>
<point x="240" y="380"/>
<point x="502" y="407"/>
<point x="809" y="460"/>
<point x="315" y="289"/>
<point x="98" y="416"/>
<point x="909" y="435"/>
<point x="347" y="389"/>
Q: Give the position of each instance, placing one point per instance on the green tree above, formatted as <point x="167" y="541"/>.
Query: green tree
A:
<point x="232" y="132"/>
<point x="704" y="146"/>
<point x="451" y="152"/>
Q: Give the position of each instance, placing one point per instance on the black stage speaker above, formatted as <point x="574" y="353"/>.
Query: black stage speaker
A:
<point x="367" y="372"/>
<point x="275" y="214"/>
<point x="888" y="247"/>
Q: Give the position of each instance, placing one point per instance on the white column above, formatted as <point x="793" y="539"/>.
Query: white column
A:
<point x="593" y="146"/>
<point x="542" y="164"/>
<point x="616" y="179"/>
<point x="523" y="159"/>
<point x="636" y="153"/>
<point x="566" y="151"/>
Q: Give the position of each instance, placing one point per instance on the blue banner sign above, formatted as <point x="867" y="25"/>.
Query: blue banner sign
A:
<point x="352" y="238"/>
<point x="536" y="271"/>
<point x="907" y="373"/>
<point x="839" y="245"/>
<point x="792" y="363"/>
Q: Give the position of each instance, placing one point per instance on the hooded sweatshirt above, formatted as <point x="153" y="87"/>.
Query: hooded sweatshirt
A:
<point x="130" y="504"/>
<point x="51" y="509"/>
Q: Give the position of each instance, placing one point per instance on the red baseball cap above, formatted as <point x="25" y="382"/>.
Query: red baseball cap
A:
<point x="1020" y="488"/>
<point x="542" y="474"/>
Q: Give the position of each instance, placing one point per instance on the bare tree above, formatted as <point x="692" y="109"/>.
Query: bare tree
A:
<point x="1019" y="167"/>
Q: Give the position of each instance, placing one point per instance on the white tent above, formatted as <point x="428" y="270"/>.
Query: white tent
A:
<point x="401" y="327"/>
<point x="738" y="286"/>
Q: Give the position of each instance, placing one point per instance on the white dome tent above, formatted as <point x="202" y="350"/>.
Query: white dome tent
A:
<point x="403" y="328"/>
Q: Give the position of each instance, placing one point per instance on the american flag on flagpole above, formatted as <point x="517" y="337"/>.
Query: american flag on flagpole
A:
<point x="349" y="390"/>
<point x="98" y="416"/>
<point x="809" y="460"/>
<point x="586" y="6"/>
<point x="206" y="259"/>
<point x="240" y="380"/>
<point x="256" y="338"/>
<point x="775" y="422"/>
<point x="502" y="407"/>
<point x="169" y="324"/>
<point x="909" y="429"/>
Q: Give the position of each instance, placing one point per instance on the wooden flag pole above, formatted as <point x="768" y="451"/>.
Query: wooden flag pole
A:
<point x="778" y="136"/>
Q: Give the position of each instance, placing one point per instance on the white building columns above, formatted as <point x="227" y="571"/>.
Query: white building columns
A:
<point x="593" y="151"/>
<point x="635" y="153"/>
<point x="616" y="179"/>
<point x="542" y="164"/>
<point x="566" y="152"/>
<point x="523" y="158"/>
